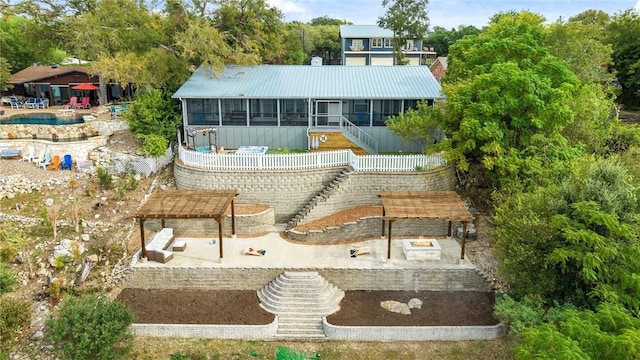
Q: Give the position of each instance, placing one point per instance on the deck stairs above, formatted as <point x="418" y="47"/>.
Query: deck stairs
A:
<point x="328" y="190"/>
<point x="345" y="136"/>
<point x="300" y="300"/>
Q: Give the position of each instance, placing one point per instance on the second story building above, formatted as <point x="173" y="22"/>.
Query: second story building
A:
<point x="373" y="45"/>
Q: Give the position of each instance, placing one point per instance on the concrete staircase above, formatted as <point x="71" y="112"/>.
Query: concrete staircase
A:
<point x="323" y="195"/>
<point x="300" y="300"/>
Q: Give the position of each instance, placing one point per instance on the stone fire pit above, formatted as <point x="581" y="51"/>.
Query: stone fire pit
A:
<point x="422" y="249"/>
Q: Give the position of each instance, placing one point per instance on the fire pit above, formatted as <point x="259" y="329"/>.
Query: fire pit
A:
<point x="421" y="249"/>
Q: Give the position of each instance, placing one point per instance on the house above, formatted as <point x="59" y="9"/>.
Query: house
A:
<point x="285" y="106"/>
<point x="56" y="82"/>
<point x="439" y="67"/>
<point x="373" y="45"/>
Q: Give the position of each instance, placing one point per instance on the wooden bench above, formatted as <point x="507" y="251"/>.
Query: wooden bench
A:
<point x="157" y="248"/>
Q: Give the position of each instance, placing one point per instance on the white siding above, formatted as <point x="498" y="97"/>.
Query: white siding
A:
<point x="381" y="61"/>
<point x="356" y="60"/>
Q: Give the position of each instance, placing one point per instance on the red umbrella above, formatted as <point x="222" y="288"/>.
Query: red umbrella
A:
<point x="85" y="86"/>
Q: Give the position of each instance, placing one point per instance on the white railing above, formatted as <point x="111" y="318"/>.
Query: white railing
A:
<point x="314" y="160"/>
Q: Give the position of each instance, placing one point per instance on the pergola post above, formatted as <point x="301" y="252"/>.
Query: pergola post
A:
<point x="383" y="214"/>
<point x="144" y="251"/>
<point x="220" y="237"/>
<point x="389" y="241"/>
<point x="162" y="222"/>
<point x="464" y="239"/>
<point x="233" y="219"/>
<point x="449" y="230"/>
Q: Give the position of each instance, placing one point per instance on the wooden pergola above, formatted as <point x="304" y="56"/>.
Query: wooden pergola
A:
<point x="424" y="205"/>
<point x="188" y="204"/>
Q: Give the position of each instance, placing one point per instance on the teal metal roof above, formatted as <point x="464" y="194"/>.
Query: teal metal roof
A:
<point x="364" y="32"/>
<point x="316" y="82"/>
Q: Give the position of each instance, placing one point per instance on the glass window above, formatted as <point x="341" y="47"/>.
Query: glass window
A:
<point x="234" y="112"/>
<point x="203" y="111"/>
<point x="409" y="45"/>
<point x="264" y="112"/>
<point x="376" y="42"/>
<point x="294" y="112"/>
<point x="357" y="45"/>
<point x="388" y="42"/>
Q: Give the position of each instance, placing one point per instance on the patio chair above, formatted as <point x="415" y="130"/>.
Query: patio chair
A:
<point x="72" y="103"/>
<point x="39" y="158"/>
<point x="84" y="104"/>
<point x="55" y="163"/>
<point x="30" y="154"/>
<point x="45" y="161"/>
<point x="66" y="162"/>
<point x="42" y="103"/>
<point x="15" y="104"/>
<point x="31" y="103"/>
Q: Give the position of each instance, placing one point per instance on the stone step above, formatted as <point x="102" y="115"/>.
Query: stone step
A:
<point x="296" y="312"/>
<point x="301" y="337"/>
<point x="275" y="297"/>
<point x="283" y="319"/>
<point x="307" y="327"/>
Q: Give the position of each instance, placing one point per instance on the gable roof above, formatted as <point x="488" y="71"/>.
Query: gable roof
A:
<point x="364" y="31"/>
<point x="305" y="81"/>
<point x="442" y="60"/>
<point x="35" y="73"/>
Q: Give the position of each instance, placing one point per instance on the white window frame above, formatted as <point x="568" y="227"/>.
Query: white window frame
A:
<point x="357" y="45"/>
<point x="388" y="42"/>
<point x="376" y="42"/>
<point x="409" y="45"/>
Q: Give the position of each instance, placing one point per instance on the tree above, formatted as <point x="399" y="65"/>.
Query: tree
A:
<point x="251" y="27"/>
<point x="573" y="242"/>
<point x="626" y="55"/>
<point x="91" y="327"/>
<point x="408" y="20"/>
<point x="326" y="20"/>
<point x="153" y="113"/>
<point x="440" y="38"/>
<point x="5" y="75"/>
<point x="419" y="126"/>
<point x="508" y="101"/>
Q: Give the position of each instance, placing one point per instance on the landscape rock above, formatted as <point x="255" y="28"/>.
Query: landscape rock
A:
<point x="396" y="307"/>
<point x="415" y="303"/>
<point x="471" y="232"/>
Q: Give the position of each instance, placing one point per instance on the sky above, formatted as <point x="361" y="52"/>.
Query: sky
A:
<point x="446" y="13"/>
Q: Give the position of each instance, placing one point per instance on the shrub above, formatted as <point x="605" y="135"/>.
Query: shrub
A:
<point x="91" y="327"/>
<point x="12" y="240"/>
<point x="105" y="177"/>
<point x="7" y="279"/>
<point x="519" y="314"/>
<point x="16" y="316"/>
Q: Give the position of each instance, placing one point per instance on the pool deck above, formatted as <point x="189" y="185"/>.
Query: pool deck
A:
<point x="8" y="112"/>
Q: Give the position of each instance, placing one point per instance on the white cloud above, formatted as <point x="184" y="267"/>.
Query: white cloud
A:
<point x="286" y="6"/>
<point x="638" y="5"/>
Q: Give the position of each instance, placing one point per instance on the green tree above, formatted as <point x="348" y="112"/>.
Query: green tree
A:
<point x="440" y="39"/>
<point x="5" y="75"/>
<point x="91" y="327"/>
<point x="419" y="126"/>
<point x="326" y="20"/>
<point x="611" y="332"/>
<point x="408" y="20"/>
<point x="251" y="27"/>
<point x="153" y="113"/>
<point x="508" y="101"/>
<point x="574" y="242"/>
<point x="626" y="55"/>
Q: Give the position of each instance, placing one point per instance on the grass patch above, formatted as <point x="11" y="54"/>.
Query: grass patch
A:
<point x="286" y="151"/>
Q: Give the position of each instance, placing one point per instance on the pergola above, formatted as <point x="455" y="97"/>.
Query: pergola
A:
<point x="188" y="204"/>
<point x="424" y="205"/>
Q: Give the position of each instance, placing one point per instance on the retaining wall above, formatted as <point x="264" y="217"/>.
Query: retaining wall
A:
<point x="370" y="227"/>
<point x="248" y="225"/>
<point x="285" y="191"/>
<point x="363" y="188"/>
<point x="412" y="333"/>
<point x="206" y="278"/>
<point x="245" y="332"/>
<point x="288" y="191"/>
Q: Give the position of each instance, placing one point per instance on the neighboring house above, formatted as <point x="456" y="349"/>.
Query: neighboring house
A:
<point x="439" y="67"/>
<point x="280" y="105"/>
<point x="373" y="45"/>
<point x="56" y="82"/>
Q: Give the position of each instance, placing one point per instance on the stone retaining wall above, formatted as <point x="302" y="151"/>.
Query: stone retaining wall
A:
<point x="248" y="225"/>
<point x="164" y="276"/>
<point x="77" y="149"/>
<point x="246" y="332"/>
<point x="288" y="191"/>
<point x="413" y="333"/>
<point x="285" y="191"/>
<point x="363" y="188"/>
<point x="370" y="227"/>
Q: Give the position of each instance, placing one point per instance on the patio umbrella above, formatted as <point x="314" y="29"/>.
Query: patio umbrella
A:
<point x="85" y="86"/>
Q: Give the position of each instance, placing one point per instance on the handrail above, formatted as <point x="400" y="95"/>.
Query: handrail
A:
<point x="358" y="136"/>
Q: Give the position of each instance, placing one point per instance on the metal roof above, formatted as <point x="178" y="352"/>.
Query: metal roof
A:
<point x="316" y="82"/>
<point x="364" y="32"/>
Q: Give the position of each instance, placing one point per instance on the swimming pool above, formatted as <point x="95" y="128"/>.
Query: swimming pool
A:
<point x="42" y="119"/>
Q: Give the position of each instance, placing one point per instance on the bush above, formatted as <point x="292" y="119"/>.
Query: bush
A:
<point x="105" y="177"/>
<point x="7" y="279"/>
<point x="12" y="240"/>
<point x="16" y="316"/>
<point x="91" y="327"/>
<point x="519" y="314"/>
